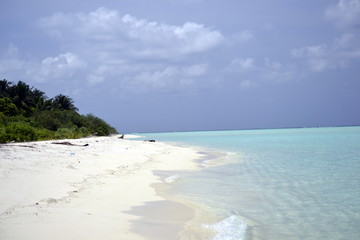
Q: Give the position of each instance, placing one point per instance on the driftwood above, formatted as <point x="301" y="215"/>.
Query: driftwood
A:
<point x="151" y="140"/>
<point x="13" y="145"/>
<point x="70" y="144"/>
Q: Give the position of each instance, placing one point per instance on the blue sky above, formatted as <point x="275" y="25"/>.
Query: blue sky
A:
<point x="175" y="65"/>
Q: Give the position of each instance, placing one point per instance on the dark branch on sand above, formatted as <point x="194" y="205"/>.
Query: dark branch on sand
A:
<point x="70" y="144"/>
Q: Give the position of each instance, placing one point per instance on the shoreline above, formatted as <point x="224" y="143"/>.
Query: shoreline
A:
<point x="102" y="190"/>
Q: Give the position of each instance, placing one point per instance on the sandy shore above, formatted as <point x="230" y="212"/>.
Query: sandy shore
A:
<point x="56" y="191"/>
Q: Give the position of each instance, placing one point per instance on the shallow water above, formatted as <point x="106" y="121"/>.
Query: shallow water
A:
<point x="279" y="184"/>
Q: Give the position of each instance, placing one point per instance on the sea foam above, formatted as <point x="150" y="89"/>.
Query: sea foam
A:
<point x="171" y="179"/>
<point x="231" y="228"/>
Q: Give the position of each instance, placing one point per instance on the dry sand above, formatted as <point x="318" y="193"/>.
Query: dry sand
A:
<point x="56" y="191"/>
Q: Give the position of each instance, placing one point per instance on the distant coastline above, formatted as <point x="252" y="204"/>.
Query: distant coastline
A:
<point x="244" y="129"/>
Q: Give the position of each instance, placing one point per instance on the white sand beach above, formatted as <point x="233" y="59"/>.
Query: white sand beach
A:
<point x="57" y="191"/>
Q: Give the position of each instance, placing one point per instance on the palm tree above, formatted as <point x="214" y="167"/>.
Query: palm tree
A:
<point x="63" y="102"/>
<point x="4" y="87"/>
<point x="44" y="104"/>
<point x="21" y="95"/>
<point x="37" y="95"/>
<point x="40" y="100"/>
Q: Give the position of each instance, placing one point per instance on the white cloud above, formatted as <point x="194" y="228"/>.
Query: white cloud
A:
<point x="274" y="65"/>
<point x="98" y="25"/>
<point x="316" y="56"/>
<point x="337" y="55"/>
<point x="318" y="64"/>
<point x="13" y="63"/>
<point x="346" y="14"/>
<point x="125" y="51"/>
<point x="314" y="51"/>
<point x="275" y="71"/>
<point x="63" y="61"/>
<point x="251" y="74"/>
<point x="63" y="65"/>
<point x="341" y="51"/>
<point x="168" y="40"/>
<point x="111" y="31"/>
<point x="157" y="79"/>
<point x="169" y="76"/>
<point x="242" y="64"/>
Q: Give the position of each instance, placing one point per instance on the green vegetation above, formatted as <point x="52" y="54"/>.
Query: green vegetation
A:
<point x="27" y="114"/>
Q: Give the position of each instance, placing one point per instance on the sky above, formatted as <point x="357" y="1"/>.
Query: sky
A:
<point x="182" y="65"/>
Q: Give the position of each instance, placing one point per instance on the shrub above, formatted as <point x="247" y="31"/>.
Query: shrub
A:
<point x="62" y="133"/>
<point x="55" y="119"/>
<point x="44" y="134"/>
<point x="98" y="126"/>
<point x="3" y="136"/>
<point x="19" y="132"/>
<point x="7" y="107"/>
<point x="81" y="132"/>
<point x="3" y="119"/>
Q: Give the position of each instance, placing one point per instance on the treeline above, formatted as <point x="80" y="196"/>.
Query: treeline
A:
<point x="27" y="114"/>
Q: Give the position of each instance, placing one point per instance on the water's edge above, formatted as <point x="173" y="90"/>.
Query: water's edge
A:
<point x="273" y="184"/>
<point x="204" y="224"/>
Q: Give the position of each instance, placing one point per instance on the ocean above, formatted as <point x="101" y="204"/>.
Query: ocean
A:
<point x="276" y="184"/>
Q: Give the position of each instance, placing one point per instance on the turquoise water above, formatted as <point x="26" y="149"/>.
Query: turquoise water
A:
<point x="279" y="184"/>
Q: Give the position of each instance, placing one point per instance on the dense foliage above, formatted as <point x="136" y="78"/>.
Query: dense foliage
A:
<point x="27" y="114"/>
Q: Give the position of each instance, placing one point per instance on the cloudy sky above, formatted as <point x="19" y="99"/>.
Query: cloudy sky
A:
<point x="175" y="65"/>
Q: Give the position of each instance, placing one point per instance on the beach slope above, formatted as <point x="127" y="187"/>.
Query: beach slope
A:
<point x="84" y="188"/>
